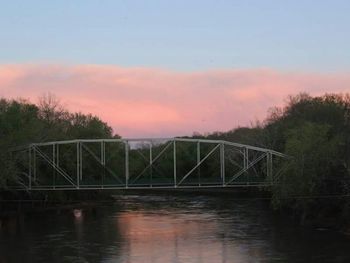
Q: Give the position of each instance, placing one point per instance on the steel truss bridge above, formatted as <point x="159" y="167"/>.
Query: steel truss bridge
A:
<point x="144" y="163"/>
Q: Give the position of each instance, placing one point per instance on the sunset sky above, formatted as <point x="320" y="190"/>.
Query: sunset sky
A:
<point x="171" y="68"/>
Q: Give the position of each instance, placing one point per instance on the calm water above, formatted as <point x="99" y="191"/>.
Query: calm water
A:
<point x="168" y="229"/>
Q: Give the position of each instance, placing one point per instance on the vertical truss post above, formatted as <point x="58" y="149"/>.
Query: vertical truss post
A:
<point x="102" y="153"/>
<point x="34" y="165"/>
<point x="151" y="162"/>
<point x="57" y="155"/>
<point x="30" y="167"/>
<point x="247" y="156"/>
<point x="54" y="164"/>
<point x="81" y="160"/>
<point x="126" y="164"/>
<point x="174" y="157"/>
<point x="222" y="162"/>
<point x="78" y="163"/>
<point x="269" y="167"/>
<point x="103" y="160"/>
<point x="198" y="161"/>
<point x="57" y="159"/>
<point x="246" y="159"/>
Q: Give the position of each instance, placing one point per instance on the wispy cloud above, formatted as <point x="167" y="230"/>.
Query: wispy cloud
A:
<point x="154" y="102"/>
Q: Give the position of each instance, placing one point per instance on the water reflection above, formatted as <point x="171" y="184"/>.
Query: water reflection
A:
<point x="169" y="238"/>
<point x="186" y="231"/>
<point x="167" y="229"/>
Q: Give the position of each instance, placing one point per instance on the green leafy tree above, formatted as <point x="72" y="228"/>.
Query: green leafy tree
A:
<point x="22" y="123"/>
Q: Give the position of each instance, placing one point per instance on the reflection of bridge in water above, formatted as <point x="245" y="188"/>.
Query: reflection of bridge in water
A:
<point x="145" y="163"/>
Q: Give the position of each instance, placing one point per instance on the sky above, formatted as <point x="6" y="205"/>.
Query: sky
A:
<point x="171" y="68"/>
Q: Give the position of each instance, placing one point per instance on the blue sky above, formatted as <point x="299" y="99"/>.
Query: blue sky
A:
<point x="180" y="35"/>
<point x="168" y="68"/>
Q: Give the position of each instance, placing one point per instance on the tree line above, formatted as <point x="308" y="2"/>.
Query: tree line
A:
<point x="314" y="131"/>
<point x="22" y="123"/>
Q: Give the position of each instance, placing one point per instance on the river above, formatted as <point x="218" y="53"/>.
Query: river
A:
<point x="158" y="228"/>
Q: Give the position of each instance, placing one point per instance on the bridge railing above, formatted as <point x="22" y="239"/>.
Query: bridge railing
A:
<point x="144" y="163"/>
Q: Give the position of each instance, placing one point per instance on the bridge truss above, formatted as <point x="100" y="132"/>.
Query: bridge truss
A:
<point x="144" y="163"/>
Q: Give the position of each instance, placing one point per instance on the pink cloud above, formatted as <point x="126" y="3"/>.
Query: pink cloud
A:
<point x="153" y="102"/>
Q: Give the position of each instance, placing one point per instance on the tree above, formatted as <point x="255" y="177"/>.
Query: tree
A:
<point x="22" y="123"/>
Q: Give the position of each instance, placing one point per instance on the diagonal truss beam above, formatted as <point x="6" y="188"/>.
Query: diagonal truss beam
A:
<point x="150" y="164"/>
<point x="101" y="162"/>
<point x="251" y="164"/>
<point x="53" y="165"/>
<point x="149" y="161"/>
<point x="198" y="164"/>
